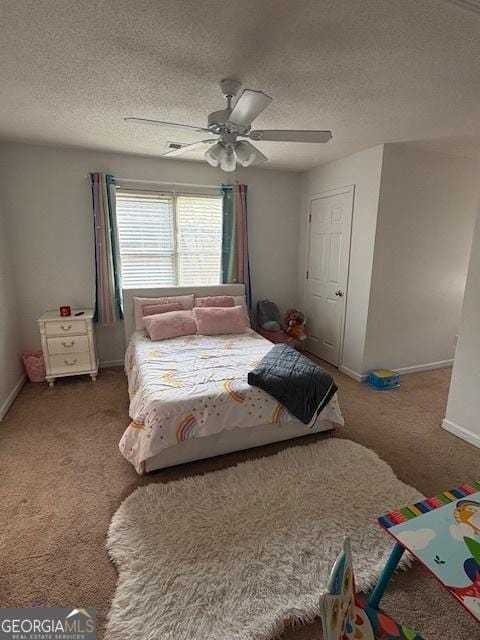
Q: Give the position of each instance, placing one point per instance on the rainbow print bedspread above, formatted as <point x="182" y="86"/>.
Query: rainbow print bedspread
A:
<point x="197" y="386"/>
<point x="443" y="532"/>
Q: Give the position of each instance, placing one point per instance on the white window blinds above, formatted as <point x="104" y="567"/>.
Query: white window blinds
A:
<point x="145" y="223"/>
<point x="199" y="239"/>
<point x="168" y="239"/>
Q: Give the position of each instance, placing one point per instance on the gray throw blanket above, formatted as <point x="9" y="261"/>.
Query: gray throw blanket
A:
<point x="299" y="384"/>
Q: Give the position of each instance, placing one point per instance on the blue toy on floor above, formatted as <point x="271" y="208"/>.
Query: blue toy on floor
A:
<point x="384" y="379"/>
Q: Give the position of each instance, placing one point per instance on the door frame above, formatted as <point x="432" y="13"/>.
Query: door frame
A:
<point x="350" y="189"/>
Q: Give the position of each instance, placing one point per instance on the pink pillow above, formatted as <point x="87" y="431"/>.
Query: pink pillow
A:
<point x="171" y="324"/>
<point x="215" y="301"/>
<point x="153" y="309"/>
<point x="187" y="301"/>
<point x="213" y="321"/>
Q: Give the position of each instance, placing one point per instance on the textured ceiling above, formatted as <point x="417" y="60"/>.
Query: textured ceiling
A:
<point x="373" y="71"/>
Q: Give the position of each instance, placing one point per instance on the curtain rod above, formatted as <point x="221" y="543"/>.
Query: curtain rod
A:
<point x="167" y="182"/>
<point x="172" y="184"/>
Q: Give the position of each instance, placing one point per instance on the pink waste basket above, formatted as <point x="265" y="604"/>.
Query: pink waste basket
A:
<point x="34" y="365"/>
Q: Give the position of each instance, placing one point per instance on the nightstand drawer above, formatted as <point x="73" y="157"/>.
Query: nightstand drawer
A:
<point x="72" y="344"/>
<point x="69" y="363"/>
<point x="65" y="327"/>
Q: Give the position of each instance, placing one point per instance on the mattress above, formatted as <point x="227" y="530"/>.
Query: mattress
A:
<point x="196" y="387"/>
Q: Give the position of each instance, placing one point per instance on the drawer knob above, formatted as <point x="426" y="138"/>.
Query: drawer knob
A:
<point x="70" y="364"/>
<point x="65" y="327"/>
<point x="67" y="345"/>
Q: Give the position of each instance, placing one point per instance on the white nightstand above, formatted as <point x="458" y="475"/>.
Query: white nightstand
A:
<point x="68" y="345"/>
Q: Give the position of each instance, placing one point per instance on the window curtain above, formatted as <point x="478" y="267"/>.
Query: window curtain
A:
<point x="108" y="292"/>
<point x="235" y="262"/>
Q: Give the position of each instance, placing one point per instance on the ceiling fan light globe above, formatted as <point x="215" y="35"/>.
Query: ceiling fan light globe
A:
<point x="245" y="153"/>
<point x="213" y="162"/>
<point x="214" y="154"/>
<point x="228" y="161"/>
<point x="247" y="163"/>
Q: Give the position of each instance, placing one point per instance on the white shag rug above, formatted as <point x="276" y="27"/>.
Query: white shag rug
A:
<point x="243" y="553"/>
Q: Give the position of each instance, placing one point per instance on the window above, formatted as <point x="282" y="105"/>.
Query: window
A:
<point x="169" y="239"/>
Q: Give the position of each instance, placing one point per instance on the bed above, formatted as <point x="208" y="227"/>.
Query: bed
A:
<point x="189" y="396"/>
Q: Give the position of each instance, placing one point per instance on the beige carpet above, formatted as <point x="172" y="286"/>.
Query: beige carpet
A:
<point x="62" y="479"/>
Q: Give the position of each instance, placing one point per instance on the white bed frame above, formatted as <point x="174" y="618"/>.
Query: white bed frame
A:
<point x="237" y="439"/>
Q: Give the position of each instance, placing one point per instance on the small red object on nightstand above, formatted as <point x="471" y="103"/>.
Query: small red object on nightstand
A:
<point x="65" y="311"/>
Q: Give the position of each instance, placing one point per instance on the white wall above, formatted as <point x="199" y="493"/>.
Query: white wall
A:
<point x="427" y="208"/>
<point x="463" y="408"/>
<point x="46" y="195"/>
<point x="363" y="170"/>
<point x="11" y="374"/>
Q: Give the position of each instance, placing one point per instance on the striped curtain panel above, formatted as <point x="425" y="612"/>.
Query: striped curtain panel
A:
<point x="235" y="262"/>
<point x="108" y="293"/>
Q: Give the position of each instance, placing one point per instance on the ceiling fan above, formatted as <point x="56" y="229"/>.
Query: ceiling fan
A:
<point x="233" y="123"/>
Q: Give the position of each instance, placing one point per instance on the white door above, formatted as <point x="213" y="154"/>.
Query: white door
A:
<point x="330" y="219"/>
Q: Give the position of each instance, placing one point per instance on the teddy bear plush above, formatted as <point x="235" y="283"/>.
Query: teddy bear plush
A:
<point x="297" y="332"/>
<point x="294" y="322"/>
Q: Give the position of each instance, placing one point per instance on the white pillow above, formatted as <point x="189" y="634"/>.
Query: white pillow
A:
<point x="186" y="301"/>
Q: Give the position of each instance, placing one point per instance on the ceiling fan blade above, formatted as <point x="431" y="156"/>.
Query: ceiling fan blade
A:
<point x="259" y="156"/>
<point x="249" y="105"/>
<point x="195" y="146"/>
<point x="171" y="125"/>
<point x="286" y="135"/>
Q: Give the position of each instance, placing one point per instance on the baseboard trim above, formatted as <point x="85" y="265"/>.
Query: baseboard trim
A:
<point x="428" y="366"/>
<point x="5" y="406"/>
<point x="359" y="377"/>
<point x="461" y="432"/>
<point x="111" y="363"/>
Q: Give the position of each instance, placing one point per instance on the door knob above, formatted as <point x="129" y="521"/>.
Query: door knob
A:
<point x="339" y="293"/>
